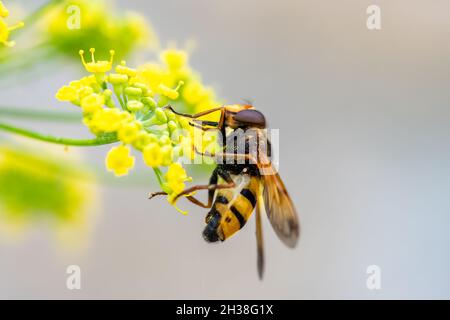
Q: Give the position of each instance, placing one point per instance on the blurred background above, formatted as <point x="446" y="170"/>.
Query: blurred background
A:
<point x="364" y="123"/>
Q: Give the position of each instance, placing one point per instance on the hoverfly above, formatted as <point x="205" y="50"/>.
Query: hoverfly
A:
<point x="236" y="188"/>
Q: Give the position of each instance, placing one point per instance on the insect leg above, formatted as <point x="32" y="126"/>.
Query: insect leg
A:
<point x="206" y="123"/>
<point x="211" y="187"/>
<point x="157" y="193"/>
<point x="203" y="124"/>
<point x="198" y="202"/>
<point x="212" y="181"/>
<point x="190" y="198"/>
<point x="193" y="116"/>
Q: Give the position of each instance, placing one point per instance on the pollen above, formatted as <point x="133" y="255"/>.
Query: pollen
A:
<point x="100" y="66"/>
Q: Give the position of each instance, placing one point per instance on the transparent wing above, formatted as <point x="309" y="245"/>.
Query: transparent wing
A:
<point x="277" y="202"/>
<point x="280" y="210"/>
<point x="259" y="237"/>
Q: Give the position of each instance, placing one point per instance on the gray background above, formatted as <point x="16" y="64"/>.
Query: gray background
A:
<point x="364" y="125"/>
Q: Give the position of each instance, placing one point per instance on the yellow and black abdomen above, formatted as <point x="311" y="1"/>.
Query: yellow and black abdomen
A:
<point x="231" y="208"/>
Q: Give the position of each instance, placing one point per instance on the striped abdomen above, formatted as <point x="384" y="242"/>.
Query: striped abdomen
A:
<point x="231" y="208"/>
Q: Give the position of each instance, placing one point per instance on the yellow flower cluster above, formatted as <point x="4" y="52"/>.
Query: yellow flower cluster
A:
<point x="5" y="29"/>
<point x="192" y="97"/>
<point x="78" y="24"/>
<point x="120" y="103"/>
<point x="172" y="68"/>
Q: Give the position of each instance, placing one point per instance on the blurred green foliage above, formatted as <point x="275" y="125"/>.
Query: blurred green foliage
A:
<point x="81" y="24"/>
<point x="39" y="185"/>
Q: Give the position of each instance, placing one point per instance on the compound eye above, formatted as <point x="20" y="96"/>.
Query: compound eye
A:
<point x="251" y="117"/>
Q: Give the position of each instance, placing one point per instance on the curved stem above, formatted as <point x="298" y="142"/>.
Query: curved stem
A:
<point x="107" y="139"/>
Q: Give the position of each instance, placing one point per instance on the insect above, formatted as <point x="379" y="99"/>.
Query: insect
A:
<point x="249" y="181"/>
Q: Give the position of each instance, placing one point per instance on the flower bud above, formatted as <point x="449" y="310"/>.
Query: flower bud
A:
<point x="166" y="152"/>
<point x="170" y="114"/>
<point x="141" y="86"/>
<point x="172" y="126"/>
<point x="129" y="132"/>
<point x="67" y="93"/>
<point x="107" y="95"/>
<point x="123" y="69"/>
<point x="92" y="103"/>
<point x="132" y="91"/>
<point x="164" y="140"/>
<point x="84" y="92"/>
<point x="134" y="105"/>
<point x="149" y="102"/>
<point x="184" y="123"/>
<point x="152" y="155"/>
<point x="168" y="92"/>
<point x="116" y="79"/>
<point x="161" y="115"/>
<point x="142" y="140"/>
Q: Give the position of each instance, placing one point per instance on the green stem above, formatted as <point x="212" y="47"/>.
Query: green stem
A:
<point x="158" y="174"/>
<point x="102" y="140"/>
<point x="122" y="104"/>
<point x="28" y="113"/>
